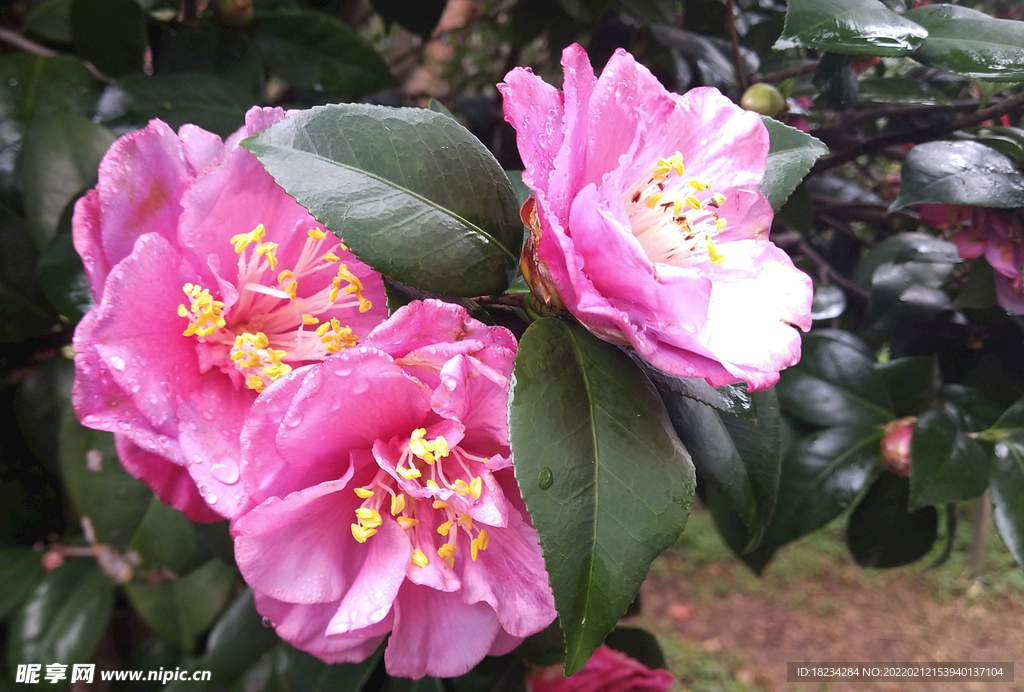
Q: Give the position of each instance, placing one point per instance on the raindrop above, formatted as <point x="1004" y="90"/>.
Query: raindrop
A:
<point x="124" y="426"/>
<point x="212" y="499"/>
<point x="267" y="622"/>
<point x="117" y="362"/>
<point x="225" y="473"/>
<point x="293" y="419"/>
<point x="94" y="460"/>
<point x="360" y="387"/>
<point x="545" y="479"/>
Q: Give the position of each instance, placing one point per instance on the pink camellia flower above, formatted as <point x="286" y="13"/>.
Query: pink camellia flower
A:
<point x="648" y="224"/>
<point x="995" y="233"/>
<point x="607" y="671"/>
<point x="386" y="501"/>
<point x="896" y="439"/>
<point x="210" y="283"/>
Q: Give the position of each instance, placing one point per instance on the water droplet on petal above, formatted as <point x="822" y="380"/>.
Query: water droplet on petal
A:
<point x="225" y="473"/>
<point x="117" y="362"/>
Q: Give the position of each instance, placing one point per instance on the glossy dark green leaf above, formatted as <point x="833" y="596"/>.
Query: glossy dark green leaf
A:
<point x="211" y="102"/>
<point x="425" y="684"/>
<point x="60" y="159"/>
<point x="912" y="383"/>
<point x="419" y="17"/>
<point x="544" y="648"/>
<point x="946" y="465"/>
<point x="24" y="310"/>
<point x="212" y="50"/>
<point x="64" y="617"/>
<point x="97" y="485"/>
<point x="50" y="19"/>
<point x="898" y="90"/>
<point x="731" y="398"/>
<point x="181" y="609"/>
<point x="974" y="411"/>
<point x="741" y="458"/>
<point x="882" y="533"/>
<point x="711" y="56"/>
<point x="166" y="540"/>
<point x="20" y="572"/>
<point x="733" y="531"/>
<point x="493" y="674"/>
<point x="834" y="384"/>
<point x="971" y="43"/>
<point x="790" y="157"/>
<point x="638" y="644"/>
<point x="297" y="671"/>
<point x="605" y="478"/>
<point x="903" y="295"/>
<point x="979" y="291"/>
<point x="859" y="27"/>
<point x="962" y="172"/>
<point x="413" y="193"/>
<point x="62" y="278"/>
<point x="901" y="248"/>
<point x="828" y="303"/>
<point x="39" y="407"/>
<point x="820" y="477"/>
<point x="317" y="52"/>
<point x="235" y="643"/>
<point x="1008" y="492"/>
<point x="111" y="34"/>
<point x="837" y="80"/>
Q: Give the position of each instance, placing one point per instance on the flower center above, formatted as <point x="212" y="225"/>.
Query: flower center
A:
<point x="675" y="216"/>
<point x="271" y="323"/>
<point x="453" y="498"/>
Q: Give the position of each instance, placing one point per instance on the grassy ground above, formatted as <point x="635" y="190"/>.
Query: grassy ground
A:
<point x="723" y="628"/>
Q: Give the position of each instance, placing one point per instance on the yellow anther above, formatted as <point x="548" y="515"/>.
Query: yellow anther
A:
<point x="316" y="234"/>
<point x="242" y="240"/>
<point x="479" y="543"/>
<point x="419" y="558"/>
<point x="407" y="522"/>
<point x="447" y="553"/>
<point x="427" y="450"/>
<point x="466" y="522"/>
<point x="717" y="200"/>
<point x="476" y="487"/>
<point x="460" y="487"/>
<point x="309" y="319"/>
<point x="697" y="185"/>
<point x="653" y="200"/>
<point x="444" y="528"/>
<point x="693" y="202"/>
<point x="330" y="257"/>
<point x="720" y="224"/>
<point x="293" y="289"/>
<point x="323" y="328"/>
<point x="677" y="163"/>
<point x="363" y="492"/>
<point x="334" y="337"/>
<point x="368" y="517"/>
<point x="438" y="504"/>
<point x="397" y="504"/>
<point x="284" y="276"/>
<point x="182" y="311"/>
<point x="408" y="474"/>
<point x="268" y="250"/>
<point x="354" y="286"/>
<point x="204" y="314"/>
<point x="713" y="254"/>
<point x="254" y="382"/>
<point x="361" y="534"/>
<point x="433" y="486"/>
<point x="677" y="205"/>
<point x="252" y="352"/>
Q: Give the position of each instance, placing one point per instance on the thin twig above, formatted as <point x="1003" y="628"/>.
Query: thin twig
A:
<point x="795" y="241"/>
<point x="783" y="75"/>
<point x="15" y="39"/>
<point x="512" y="300"/>
<point x="737" y="59"/>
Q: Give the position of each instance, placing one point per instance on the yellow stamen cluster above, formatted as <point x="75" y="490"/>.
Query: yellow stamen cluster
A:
<point x="369" y="521"/>
<point x="665" y="166"/>
<point x="354" y="285"/>
<point x="242" y="240"/>
<point x="427" y="450"/>
<point x="204" y="313"/>
<point x="334" y="336"/>
<point x="252" y="353"/>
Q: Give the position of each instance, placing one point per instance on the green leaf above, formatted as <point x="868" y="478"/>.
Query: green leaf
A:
<point x="837" y="80"/>
<point x="413" y="193"/>
<point x="182" y="609"/>
<point x="834" y="384"/>
<point x="425" y="684"/>
<point x="731" y="398"/>
<point x="50" y="19"/>
<point x="20" y="572"/>
<point x="971" y="43"/>
<point x="912" y="383"/>
<point x="544" y="648"/>
<point x="211" y="102"/>
<point x="605" y="478"/>
<point x="235" y="643"/>
<point x="316" y="52"/>
<point x="962" y="172"/>
<point x="64" y="617"/>
<point x="946" y="465"/>
<point x="62" y="278"/>
<point x="1008" y="492"/>
<point x="638" y="644"/>
<point x="212" y="50"/>
<point x="97" y="485"/>
<point x="898" y="90"/>
<point x="820" y="477"/>
<point x="39" y="407"/>
<point x="740" y="458"/>
<point x="903" y="295"/>
<point x="60" y="159"/>
<point x="111" y="34"/>
<point x="24" y="310"/>
<point x="419" y="17"/>
<point x="493" y="674"/>
<point x="790" y="156"/>
<point x="974" y="410"/>
<point x="296" y="671"/>
<point x="882" y="533"/>
<point x="858" y="27"/>
<point x="166" y="540"/>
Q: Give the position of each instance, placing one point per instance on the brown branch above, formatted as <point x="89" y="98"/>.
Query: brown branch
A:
<point x="737" y="59"/>
<point x="783" y="75"/>
<point x="511" y="300"/>
<point x="795" y="241"/>
<point x="917" y="135"/>
<point x="15" y="39"/>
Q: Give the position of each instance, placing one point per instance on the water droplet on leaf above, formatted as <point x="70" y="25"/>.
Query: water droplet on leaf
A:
<point x="545" y="479"/>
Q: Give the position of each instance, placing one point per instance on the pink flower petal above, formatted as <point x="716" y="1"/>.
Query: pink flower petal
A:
<point x="170" y="482"/>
